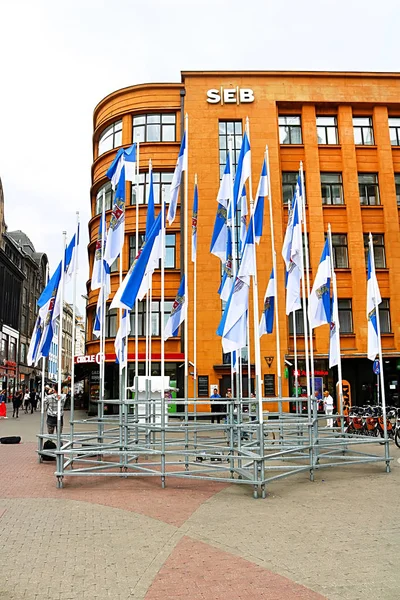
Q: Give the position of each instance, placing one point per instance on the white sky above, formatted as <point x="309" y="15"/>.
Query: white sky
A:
<point x="58" y="58"/>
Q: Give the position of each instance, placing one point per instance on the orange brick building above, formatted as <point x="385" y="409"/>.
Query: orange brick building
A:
<point x="345" y="127"/>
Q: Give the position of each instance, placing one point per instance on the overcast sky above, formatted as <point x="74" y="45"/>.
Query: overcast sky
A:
<point x="58" y="58"/>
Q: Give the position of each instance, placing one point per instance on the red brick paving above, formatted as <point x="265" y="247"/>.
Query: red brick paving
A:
<point x="24" y="477"/>
<point x="197" y="571"/>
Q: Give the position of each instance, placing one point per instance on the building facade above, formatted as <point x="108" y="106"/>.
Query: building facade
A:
<point x="345" y="128"/>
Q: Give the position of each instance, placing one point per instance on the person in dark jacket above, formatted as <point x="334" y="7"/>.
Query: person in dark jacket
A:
<point x="17" y="402"/>
<point x="33" y="400"/>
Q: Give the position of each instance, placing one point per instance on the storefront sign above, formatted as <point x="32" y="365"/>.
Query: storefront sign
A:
<point x="234" y="95"/>
<point x="316" y="373"/>
<point x="88" y="358"/>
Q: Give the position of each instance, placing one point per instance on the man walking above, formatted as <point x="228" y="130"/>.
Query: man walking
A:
<point x="328" y="407"/>
<point x="51" y="405"/>
<point x="215" y="408"/>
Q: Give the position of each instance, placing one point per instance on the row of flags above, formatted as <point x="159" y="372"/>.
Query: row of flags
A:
<point x="49" y="303"/>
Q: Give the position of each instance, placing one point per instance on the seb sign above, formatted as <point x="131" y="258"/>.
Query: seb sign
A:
<point x="234" y="95"/>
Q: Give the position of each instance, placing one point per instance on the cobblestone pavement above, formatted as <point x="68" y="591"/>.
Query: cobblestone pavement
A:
<point x="99" y="538"/>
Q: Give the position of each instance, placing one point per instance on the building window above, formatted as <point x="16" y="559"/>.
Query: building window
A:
<point x="332" y="188"/>
<point x="154" y="128"/>
<point x="369" y="189"/>
<point x="384" y="316"/>
<point x="155" y="317"/>
<point x="290" y="129"/>
<point x="105" y="189"/>
<point x="327" y="130"/>
<point x="170" y="251"/>
<point x="289" y="182"/>
<point x="397" y="183"/>
<point x="23" y="322"/>
<point x="111" y="137"/>
<point x="132" y="246"/>
<point x="23" y="353"/>
<point x="12" y="349"/>
<point x="394" y="130"/>
<point x="299" y="319"/>
<point x="4" y="346"/>
<point x="345" y="315"/>
<point x="226" y="130"/>
<point x="111" y="323"/>
<point x="378" y="242"/>
<point x="115" y="266"/>
<point x="339" y="249"/>
<point x="363" y="131"/>
<point x="143" y="187"/>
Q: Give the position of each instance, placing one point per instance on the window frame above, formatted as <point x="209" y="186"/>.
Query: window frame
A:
<point x="396" y="129"/>
<point x="377" y="255"/>
<point x="327" y="128"/>
<point x="160" y="179"/>
<point x="345" y="253"/>
<point x="287" y="130"/>
<point x="155" y="318"/>
<point x="292" y="185"/>
<point x="384" y="311"/>
<point x="397" y="187"/>
<point x="331" y="185"/>
<point x="146" y="125"/>
<point x="366" y="185"/>
<point x="223" y="136"/>
<point x="362" y="129"/>
<point x="109" y="196"/>
<point x="343" y="310"/>
<point x="115" y="133"/>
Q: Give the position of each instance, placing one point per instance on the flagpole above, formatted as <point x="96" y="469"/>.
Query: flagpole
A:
<point x="58" y="468"/>
<point x="162" y="403"/>
<point x="296" y="372"/>
<point x="194" y="313"/>
<point x="72" y="407"/>
<point x="136" y="253"/>
<point x="381" y="376"/>
<point x="40" y="445"/>
<point x="277" y="328"/>
<point x="186" y="272"/>
<point x="100" y="404"/>
<point x="231" y="207"/>
<point x="336" y="321"/>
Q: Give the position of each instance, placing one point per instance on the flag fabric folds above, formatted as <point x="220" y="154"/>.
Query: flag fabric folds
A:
<point x="100" y="273"/>
<point x="220" y="234"/>
<point x="319" y="302"/>
<point x="262" y="191"/>
<point x="293" y="255"/>
<point x="224" y="192"/>
<point x="334" y="356"/>
<point x="101" y="305"/>
<point x="35" y="341"/>
<point x="48" y="313"/>
<point x="243" y="220"/>
<point x="234" y="356"/>
<point x="178" y="312"/>
<point x="71" y="256"/>
<point x="116" y="230"/>
<point x="126" y="295"/>
<point x="248" y="263"/>
<point x="267" y="317"/>
<point x="233" y="325"/>
<point x="181" y="165"/>
<point x="373" y="300"/>
<point x="121" y="340"/>
<point x="150" y="217"/>
<point x="243" y="170"/>
<point x="227" y="278"/>
<point x="124" y="158"/>
<point x="194" y="223"/>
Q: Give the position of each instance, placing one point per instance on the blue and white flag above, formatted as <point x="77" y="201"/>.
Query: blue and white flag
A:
<point x="48" y="312"/>
<point x="181" y="165"/>
<point x="98" y="317"/>
<point x="319" y="302"/>
<point x="243" y="220"/>
<point x="243" y="171"/>
<point x="127" y="293"/>
<point x="294" y="265"/>
<point x="373" y="300"/>
<point x="194" y="223"/>
<point x="71" y="256"/>
<point x="234" y="356"/>
<point x="124" y="158"/>
<point x="334" y="352"/>
<point x="151" y="217"/>
<point x="220" y="234"/>
<point x="35" y="342"/>
<point x="267" y="317"/>
<point x="248" y="262"/>
<point x="227" y="278"/>
<point x="101" y="270"/>
<point x="178" y="312"/>
<point x="116" y="230"/>
<point x="262" y="191"/>
<point x="121" y="340"/>
<point x="49" y="289"/>
<point x="224" y="192"/>
<point x="233" y="325"/>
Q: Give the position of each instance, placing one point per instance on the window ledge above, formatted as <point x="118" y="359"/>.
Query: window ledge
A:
<point x="373" y="206"/>
<point x="347" y="335"/>
<point x="363" y="146"/>
<point x="291" y="145"/>
<point x="334" y="205"/>
<point x="342" y="270"/>
<point x="387" y="335"/>
<point x="337" y="146"/>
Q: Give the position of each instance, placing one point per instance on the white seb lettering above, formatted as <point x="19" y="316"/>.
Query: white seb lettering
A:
<point x="230" y="96"/>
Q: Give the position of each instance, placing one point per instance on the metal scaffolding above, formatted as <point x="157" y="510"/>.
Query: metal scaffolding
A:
<point x="142" y="440"/>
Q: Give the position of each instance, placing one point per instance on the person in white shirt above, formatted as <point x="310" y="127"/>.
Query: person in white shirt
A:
<point x="328" y="407"/>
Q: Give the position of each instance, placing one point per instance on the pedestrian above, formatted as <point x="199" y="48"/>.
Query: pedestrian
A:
<point x="328" y="407"/>
<point x="27" y="401"/>
<point x="17" y="402"/>
<point x="33" y="400"/>
<point x="215" y="408"/>
<point x="3" y="396"/>
<point x="51" y="403"/>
